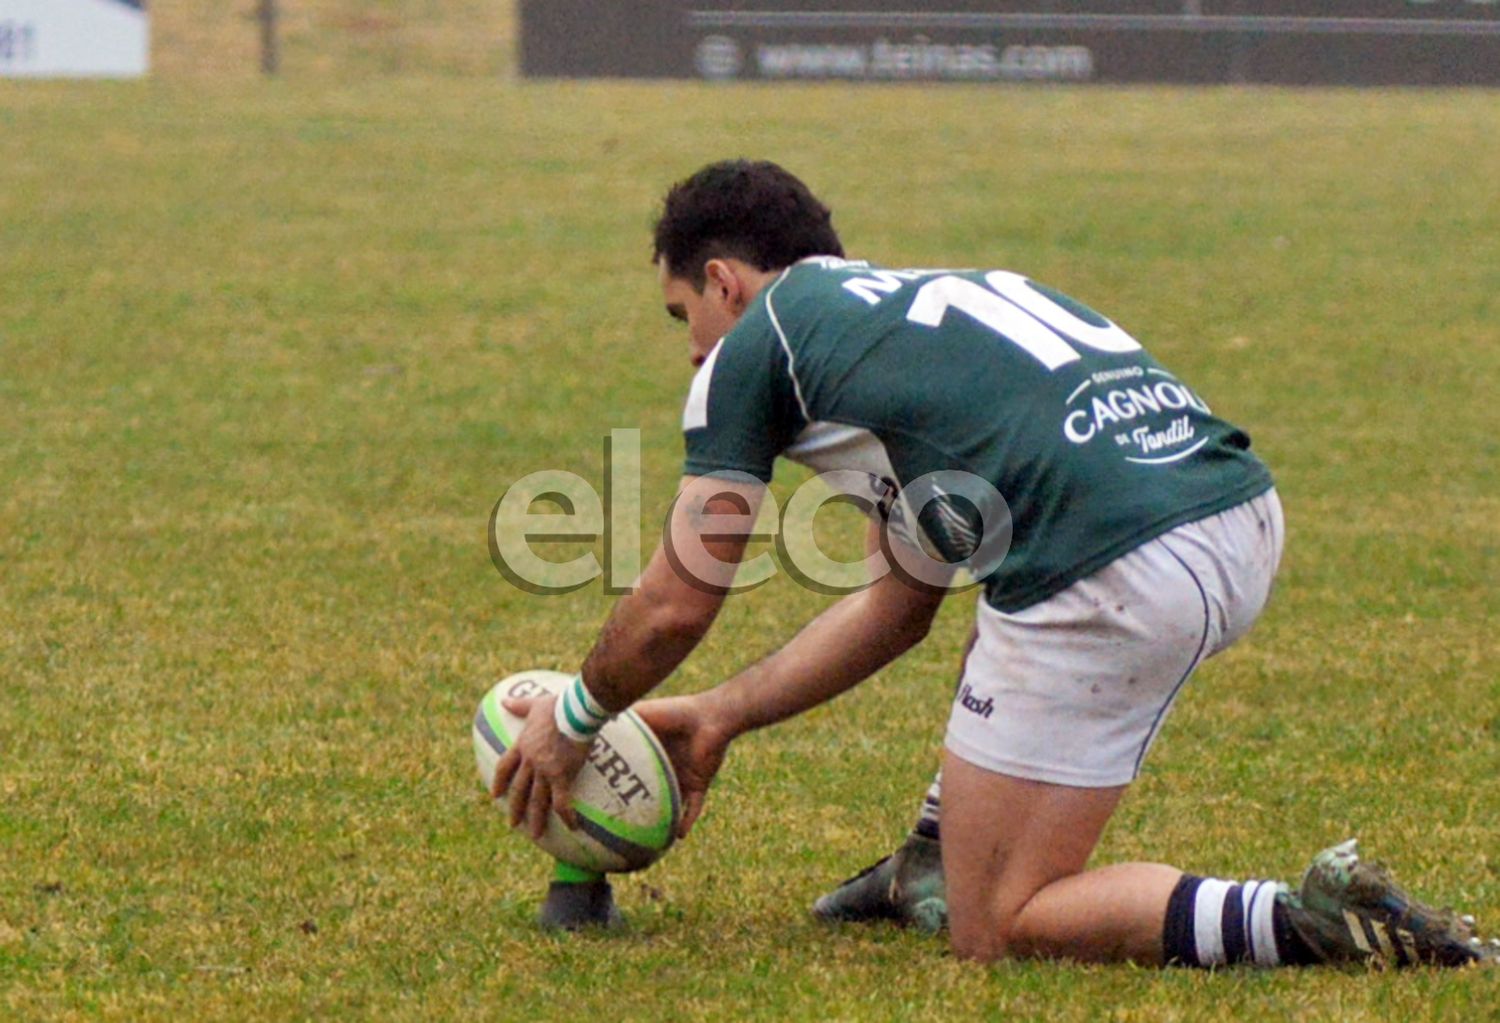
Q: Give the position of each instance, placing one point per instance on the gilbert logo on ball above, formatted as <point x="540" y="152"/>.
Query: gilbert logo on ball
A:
<point x="626" y="796"/>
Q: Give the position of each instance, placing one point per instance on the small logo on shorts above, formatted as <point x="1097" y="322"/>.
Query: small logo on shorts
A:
<point x="969" y="702"/>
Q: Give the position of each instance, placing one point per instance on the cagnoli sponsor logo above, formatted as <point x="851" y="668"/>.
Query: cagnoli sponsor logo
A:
<point x="973" y="704"/>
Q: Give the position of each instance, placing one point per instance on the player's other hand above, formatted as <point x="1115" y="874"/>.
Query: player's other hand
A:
<point x="694" y="742"/>
<point x="538" y="771"/>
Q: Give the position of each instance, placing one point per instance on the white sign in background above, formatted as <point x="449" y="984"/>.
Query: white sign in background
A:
<point x="73" y="38"/>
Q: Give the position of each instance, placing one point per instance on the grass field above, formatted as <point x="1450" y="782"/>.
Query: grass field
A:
<point x="269" y="353"/>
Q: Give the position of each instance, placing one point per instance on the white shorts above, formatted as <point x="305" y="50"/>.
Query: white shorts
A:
<point x="1074" y="689"/>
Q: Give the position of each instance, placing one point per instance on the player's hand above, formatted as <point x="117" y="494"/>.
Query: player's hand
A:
<point x="539" y="769"/>
<point x="695" y="744"/>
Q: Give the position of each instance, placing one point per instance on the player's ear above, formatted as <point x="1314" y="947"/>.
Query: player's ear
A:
<point x="720" y="276"/>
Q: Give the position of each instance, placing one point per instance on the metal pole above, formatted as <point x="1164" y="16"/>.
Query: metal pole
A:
<point x="270" y="55"/>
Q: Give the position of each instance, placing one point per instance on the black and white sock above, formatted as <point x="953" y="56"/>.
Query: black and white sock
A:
<point x="1220" y="923"/>
<point x="927" y="822"/>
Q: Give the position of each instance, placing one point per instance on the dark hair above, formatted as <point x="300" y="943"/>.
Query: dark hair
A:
<point x="750" y="210"/>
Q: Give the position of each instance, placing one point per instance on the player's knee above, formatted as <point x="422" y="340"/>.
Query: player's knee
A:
<point x="981" y="937"/>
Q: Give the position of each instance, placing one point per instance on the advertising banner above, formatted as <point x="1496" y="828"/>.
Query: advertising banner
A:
<point x="73" y="38"/>
<point x="1298" y="42"/>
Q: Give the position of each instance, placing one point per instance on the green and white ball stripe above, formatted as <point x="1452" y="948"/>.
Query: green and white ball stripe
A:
<point x="626" y="796"/>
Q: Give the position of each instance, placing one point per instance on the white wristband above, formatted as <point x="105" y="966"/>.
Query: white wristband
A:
<point x="579" y="716"/>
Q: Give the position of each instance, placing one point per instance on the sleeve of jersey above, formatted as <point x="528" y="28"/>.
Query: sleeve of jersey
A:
<point x="742" y="409"/>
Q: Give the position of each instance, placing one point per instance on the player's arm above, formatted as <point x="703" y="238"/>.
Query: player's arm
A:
<point x="853" y="639"/>
<point x="652" y="629"/>
<point x="740" y="414"/>
<point x="848" y="643"/>
<point x="647" y="634"/>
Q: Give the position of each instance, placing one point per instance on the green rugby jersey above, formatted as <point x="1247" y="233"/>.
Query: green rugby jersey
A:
<point x="1094" y="446"/>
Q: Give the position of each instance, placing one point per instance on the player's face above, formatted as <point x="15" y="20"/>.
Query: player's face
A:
<point x="709" y="314"/>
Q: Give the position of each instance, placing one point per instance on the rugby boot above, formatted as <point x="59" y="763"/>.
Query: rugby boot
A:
<point x="905" y="887"/>
<point x="1350" y="910"/>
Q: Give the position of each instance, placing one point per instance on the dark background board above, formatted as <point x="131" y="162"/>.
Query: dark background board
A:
<point x="1299" y="42"/>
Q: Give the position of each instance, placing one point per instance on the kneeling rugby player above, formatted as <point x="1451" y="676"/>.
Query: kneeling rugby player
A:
<point x="1143" y="538"/>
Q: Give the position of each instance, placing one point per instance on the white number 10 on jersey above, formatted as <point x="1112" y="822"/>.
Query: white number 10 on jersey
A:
<point x="1020" y="314"/>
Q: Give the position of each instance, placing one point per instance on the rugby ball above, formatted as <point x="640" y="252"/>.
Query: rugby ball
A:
<point x="626" y="796"/>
